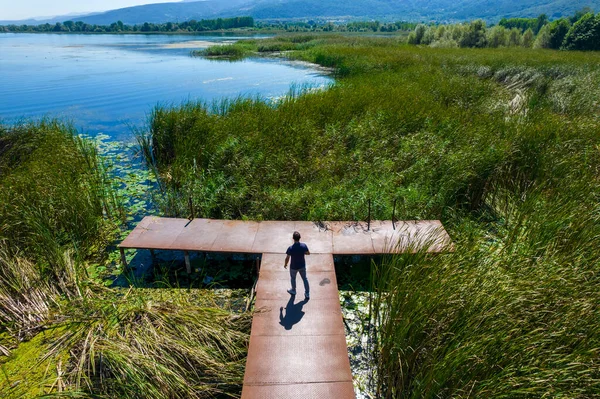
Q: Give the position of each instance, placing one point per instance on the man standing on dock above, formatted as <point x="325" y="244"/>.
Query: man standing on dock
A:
<point x="296" y="252"/>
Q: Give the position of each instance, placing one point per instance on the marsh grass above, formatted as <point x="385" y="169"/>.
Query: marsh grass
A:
<point x="54" y="191"/>
<point x="234" y="51"/>
<point x="56" y="204"/>
<point x="141" y="344"/>
<point x="512" y="313"/>
<point x="500" y="144"/>
<point x="62" y="333"/>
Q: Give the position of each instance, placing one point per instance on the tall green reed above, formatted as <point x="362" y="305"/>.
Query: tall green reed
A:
<point x="499" y="144"/>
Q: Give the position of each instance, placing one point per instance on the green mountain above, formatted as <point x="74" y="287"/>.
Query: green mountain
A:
<point x="438" y="10"/>
<point x="409" y="10"/>
<point x="165" y="12"/>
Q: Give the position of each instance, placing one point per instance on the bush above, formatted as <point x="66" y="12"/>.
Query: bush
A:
<point x="474" y="35"/>
<point x="584" y="34"/>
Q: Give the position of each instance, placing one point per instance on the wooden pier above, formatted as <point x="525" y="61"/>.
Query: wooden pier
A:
<point x="297" y="346"/>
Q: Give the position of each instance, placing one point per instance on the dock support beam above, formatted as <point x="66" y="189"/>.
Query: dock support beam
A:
<point x="188" y="265"/>
<point x="123" y="258"/>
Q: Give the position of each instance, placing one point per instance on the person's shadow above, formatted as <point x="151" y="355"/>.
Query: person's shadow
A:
<point x="293" y="313"/>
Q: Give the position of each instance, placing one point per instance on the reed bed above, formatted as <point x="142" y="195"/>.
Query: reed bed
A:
<point x="62" y="333"/>
<point x="54" y="191"/>
<point x="500" y="144"/>
<point x="135" y="344"/>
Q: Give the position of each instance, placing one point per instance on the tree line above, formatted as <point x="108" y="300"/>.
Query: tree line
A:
<point x="120" y="27"/>
<point x="328" y="26"/>
<point x="578" y="32"/>
<point x="213" y="24"/>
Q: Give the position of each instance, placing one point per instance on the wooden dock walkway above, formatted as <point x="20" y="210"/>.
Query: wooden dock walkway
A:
<point x="297" y="346"/>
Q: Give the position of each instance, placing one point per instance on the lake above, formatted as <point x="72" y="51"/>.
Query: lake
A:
<point x="109" y="83"/>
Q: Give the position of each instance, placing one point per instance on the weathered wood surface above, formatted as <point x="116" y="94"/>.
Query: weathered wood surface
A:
<point x="236" y="236"/>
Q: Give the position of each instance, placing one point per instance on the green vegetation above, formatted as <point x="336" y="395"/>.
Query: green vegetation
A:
<point x="54" y="192"/>
<point x="239" y="24"/>
<point x="579" y="32"/>
<point x="61" y="331"/>
<point x="119" y="27"/>
<point x="500" y="144"/>
<point x="234" y="51"/>
<point x="323" y="11"/>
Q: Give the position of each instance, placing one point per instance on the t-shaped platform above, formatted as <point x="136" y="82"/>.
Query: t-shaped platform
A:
<point x="297" y="346"/>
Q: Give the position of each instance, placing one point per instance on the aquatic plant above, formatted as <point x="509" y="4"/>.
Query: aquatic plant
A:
<point x="231" y="51"/>
<point x="501" y="145"/>
<point x="512" y="313"/>
<point x="62" y="333"/>
<point x="140" y="344"/>
<point x="53" y="192"/>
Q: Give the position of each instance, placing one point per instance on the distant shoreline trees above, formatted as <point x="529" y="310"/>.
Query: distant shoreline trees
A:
<point x="147" y="27"/>
<point x="578" y="32"/>
<point x="213" y="25"/>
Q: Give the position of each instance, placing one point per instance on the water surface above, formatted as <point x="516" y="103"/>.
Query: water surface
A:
<point x="109" y="83"/>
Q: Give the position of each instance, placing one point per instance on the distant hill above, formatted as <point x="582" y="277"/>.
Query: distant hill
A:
<point x="409" y="10"/>
<point x="167" y="12"/>
<point x="416" y="10"/>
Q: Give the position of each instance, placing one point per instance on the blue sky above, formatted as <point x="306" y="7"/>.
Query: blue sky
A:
<point x="23" y="9"/>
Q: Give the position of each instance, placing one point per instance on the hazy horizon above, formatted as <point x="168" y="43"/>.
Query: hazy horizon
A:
<point x="31" y="9"/>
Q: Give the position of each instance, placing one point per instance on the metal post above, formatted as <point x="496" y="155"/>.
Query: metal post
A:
<point x="394" y="215"/>
<point x="188" y="265"/>
<point x="123" y="258"/>
<point x="191" y="205"/>
<point x="369" y="222"/>
<point x="257" y="266"/>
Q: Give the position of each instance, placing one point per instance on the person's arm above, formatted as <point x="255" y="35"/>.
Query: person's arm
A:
<point x="287" y="259"/>
<point x="307" y="251"/>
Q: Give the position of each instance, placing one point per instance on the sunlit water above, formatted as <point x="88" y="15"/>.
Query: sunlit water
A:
<point x="109" y="83"/>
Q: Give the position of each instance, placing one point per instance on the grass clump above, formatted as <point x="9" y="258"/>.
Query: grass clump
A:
<point x="512" y="313"/>
<point x="236" y="50"/>
<point x="54" y="191"/>
<point x="55" y="199"/>
<point x="132" y="344"/>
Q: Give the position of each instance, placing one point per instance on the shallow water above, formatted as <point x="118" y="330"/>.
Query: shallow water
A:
<point x="109" y="83"/>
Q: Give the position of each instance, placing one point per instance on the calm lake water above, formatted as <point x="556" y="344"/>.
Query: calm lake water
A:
<point x="109" y="83"/>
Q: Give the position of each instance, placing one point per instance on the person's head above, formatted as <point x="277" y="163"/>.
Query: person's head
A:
<point x="296" y="236"/>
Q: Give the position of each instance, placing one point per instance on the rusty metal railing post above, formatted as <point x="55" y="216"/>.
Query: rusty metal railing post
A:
<point x="394" y="215"/>
<point x="191" y="205"/>
<point x="369" y="220"/>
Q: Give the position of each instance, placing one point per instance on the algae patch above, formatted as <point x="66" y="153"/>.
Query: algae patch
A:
<point x="26" y="374"/>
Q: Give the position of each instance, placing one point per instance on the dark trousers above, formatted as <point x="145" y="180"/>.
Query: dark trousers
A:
<point x="293" y="273"/>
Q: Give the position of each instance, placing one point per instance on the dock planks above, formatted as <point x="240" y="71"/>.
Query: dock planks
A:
<point x="297" y="346"/>
<point x="238" y="236"/>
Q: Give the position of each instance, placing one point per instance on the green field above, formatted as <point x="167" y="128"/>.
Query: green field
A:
<point x="502" y="145"/>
